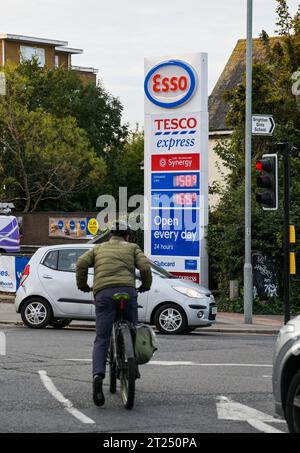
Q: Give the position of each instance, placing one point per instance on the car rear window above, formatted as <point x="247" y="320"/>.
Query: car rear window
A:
<point x="51" y="259"/>
<point x="67" y="259"/>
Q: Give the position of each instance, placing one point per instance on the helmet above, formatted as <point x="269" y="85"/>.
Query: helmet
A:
<point x="120" y="228"/>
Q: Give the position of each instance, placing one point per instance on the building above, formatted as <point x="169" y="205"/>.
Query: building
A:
<point x="232" y="75"/>
<point x="49" y="52"/>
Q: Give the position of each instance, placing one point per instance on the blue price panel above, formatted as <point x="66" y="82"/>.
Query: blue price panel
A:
<point x="168" y="199"/>
<point x="178" y="181"/>
<point x="175" y="232"/>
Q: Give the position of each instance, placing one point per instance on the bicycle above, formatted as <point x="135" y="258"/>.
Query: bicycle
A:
<point x="121" y="356"/>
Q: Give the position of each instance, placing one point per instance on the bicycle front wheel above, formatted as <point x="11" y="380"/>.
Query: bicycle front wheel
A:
<point x="127" y="373"/>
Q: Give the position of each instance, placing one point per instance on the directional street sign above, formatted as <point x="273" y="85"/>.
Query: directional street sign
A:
<point x="263" y="125"/>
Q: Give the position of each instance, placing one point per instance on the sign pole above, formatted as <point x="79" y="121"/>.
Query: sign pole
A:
<point x="248" y="278"/>
<point x="286" y="158"/>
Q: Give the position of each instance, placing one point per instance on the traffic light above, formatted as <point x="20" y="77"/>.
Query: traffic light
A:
<point x="268" y="180"/>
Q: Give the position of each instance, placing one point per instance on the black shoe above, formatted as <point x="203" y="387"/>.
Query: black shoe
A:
<point x="98" y="396"/>
<point x="137" y="373"/>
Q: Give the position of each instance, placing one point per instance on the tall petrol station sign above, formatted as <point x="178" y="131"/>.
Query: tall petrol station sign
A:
<point x="176" y="164"/>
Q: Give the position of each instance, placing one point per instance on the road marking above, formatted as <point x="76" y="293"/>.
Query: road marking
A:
<point x="231" y="410"/>
<point x="68" y="405"/>
<point x="78" y="360"/>
<point x="170" y="363"/>
<point x="178" y="363"/>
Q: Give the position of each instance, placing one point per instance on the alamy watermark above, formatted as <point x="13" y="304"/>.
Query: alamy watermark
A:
<point x="181" y="212"/>
<point x="2" y="343"/>
<point x="296" y="83"/>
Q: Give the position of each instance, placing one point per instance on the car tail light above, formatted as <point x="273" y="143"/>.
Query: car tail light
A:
<point x="25" y="274"/>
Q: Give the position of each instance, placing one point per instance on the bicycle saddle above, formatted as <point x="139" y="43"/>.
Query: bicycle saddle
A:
<point x="120" y="296"/>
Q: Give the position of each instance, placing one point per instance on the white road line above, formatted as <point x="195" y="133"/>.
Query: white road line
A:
<point x="170" y="363"/>
<point x="228" y="409"/>
<point x="178" y="363"/>
<point x="68" y="405"/>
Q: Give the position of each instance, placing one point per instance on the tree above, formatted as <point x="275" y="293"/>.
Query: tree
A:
<point x="44" y="158"/>
<point x="131" y="163"/>
<point x="272" y="93"/>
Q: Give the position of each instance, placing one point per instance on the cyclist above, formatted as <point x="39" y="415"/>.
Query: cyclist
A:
<point x="114" y="265"/>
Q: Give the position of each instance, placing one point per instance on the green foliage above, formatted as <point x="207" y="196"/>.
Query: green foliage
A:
<point x="57" y="138"/>
<point x="272" y="94"/>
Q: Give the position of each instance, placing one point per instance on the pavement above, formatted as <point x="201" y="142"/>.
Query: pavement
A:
<point x="225" y="322"/>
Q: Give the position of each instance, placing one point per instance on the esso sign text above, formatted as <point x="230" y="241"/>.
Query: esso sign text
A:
<point x="165" y="84"/>
<point x="170" y="84"/>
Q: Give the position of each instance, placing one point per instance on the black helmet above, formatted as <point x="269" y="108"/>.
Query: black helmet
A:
<point x="120" y="228"/>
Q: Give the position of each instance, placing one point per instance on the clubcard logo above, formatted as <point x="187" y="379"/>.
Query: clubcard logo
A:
<point x="170" y="84"/>
<point x="165" y="264"/>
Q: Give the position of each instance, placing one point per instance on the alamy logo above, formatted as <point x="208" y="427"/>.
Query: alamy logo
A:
<point x="2" y="343"/>
<point x="296" y="84"/>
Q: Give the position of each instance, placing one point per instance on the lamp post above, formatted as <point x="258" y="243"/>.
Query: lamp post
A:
<point x="248" y="277"/>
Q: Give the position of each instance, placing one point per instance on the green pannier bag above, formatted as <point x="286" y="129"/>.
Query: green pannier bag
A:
<point x="145" y="343"/>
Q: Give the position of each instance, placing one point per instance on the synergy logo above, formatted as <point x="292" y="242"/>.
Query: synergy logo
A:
<point x="175" y="162"/>
<point x="170" y="84"/>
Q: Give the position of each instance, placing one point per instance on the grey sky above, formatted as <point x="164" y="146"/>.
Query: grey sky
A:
<point x="116" y="35"/>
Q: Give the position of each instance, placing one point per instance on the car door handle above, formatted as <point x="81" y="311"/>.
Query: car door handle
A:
<point x="48" y="277"/>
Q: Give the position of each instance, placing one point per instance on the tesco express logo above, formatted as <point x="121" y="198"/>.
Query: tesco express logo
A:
<point x="170" y="84"/>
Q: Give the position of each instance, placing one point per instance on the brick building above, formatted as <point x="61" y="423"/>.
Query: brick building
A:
<point x="49" y="52"/>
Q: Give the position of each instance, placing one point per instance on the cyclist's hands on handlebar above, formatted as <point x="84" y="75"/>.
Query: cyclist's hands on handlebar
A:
<point x="142" y="289"/>
<point x="86" y="289"/>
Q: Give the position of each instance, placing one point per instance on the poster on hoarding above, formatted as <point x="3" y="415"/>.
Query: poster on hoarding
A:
<point x="73" y="227"/>
<point x="7" y="274"/>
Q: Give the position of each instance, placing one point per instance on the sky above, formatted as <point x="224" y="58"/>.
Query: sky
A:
<point x="117" y="35"/>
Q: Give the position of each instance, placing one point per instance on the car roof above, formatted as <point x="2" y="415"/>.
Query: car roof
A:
<point x="66" y="246"/>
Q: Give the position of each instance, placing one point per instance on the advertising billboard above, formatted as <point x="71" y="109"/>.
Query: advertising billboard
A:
<point x="176" y="164"/>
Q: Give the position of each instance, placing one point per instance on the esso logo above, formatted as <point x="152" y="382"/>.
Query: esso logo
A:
<point x="170" y="84"/>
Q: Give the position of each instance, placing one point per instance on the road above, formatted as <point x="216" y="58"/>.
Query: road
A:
<point x="196" y="383"/>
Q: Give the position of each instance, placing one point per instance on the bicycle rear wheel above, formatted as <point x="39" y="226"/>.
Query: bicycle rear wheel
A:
<point x="127" y="372"/>
<point x="112" y="369"/>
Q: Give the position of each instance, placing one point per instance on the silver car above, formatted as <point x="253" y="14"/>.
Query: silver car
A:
<point x="286" y="374"/>
<point x="48" y="295"/>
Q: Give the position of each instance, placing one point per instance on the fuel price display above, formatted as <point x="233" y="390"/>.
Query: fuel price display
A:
<point x="169" y="181"/>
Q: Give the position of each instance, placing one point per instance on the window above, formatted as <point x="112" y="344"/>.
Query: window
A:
<point x="162" y="273"/>
<point x="51" y="260"/>
<point x="56" y="61"/>
<point x="27" y="53"/>
<point x="67" y="259"/>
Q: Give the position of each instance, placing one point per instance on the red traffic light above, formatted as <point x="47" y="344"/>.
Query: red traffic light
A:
<point x="259" y="165"/>
<point x="265" y="164"/>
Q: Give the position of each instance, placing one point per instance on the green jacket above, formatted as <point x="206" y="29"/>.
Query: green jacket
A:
<point x="114" y="264"/>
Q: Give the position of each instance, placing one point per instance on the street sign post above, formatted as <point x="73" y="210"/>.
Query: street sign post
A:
<point x="263" y="125"/>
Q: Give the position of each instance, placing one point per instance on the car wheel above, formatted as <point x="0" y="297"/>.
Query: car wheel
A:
<point x="170" y="319"/>
<point x="292" y="409"/>
<point x="36" y="313"/>
<point x="60" y="323"/>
